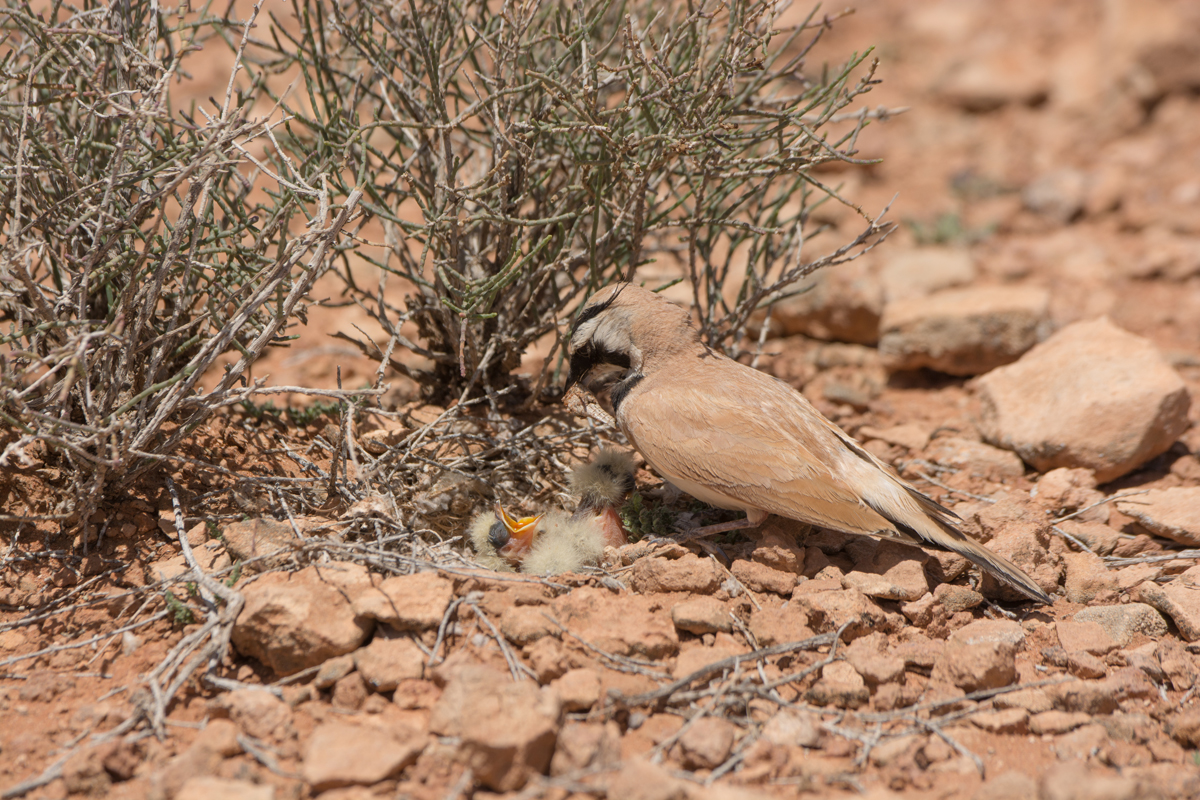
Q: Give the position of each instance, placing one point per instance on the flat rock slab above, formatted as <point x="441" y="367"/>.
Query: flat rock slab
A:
<point x="292" y="621"/>
<point x="963" y="331"/>
<point x="1123" y="622"/>
<point x="1092" y="396"/>
<point x="1170" y="513"/>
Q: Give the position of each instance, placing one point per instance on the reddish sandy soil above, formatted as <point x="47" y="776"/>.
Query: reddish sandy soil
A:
<point x="1102" y="97"/>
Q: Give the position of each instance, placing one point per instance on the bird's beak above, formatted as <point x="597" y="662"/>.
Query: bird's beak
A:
<point x="521" y="533"/>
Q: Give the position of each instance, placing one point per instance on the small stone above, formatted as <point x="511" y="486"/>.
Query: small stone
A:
<point x="702" y="615"/>
<point x="761" y="578"/>
<point x="1177" y="665"/>
<point x="220" y="736"/>
<point x="1088" y="579"/>
<point x="407" y="602"/>
<point x="384" y="663"/>
<point x="870" y="658"/>
<point x="1086" y="636"/>
<point x="586" y="745"/>
<point x="687" y="574"/>
<point x="1064" y="489"/>
<point x="1008" y="720"/>
<point x="791" y="727"/>
<point x="839" y="685"/>
<point x="963" y="331"/>
<point x="1085" y="665"/>
<point x="1098" y="536"/>
<point x="1178" y="601"/>
<point x="1033" y="701"/>
<point x="829" y="610"/>
<point x="707" y="743"/>
<point x="333" y="671"/>
<point x="696" y="655"/>
<point x="578" y="689"/>
<point x="956" y="598"/>
<point x="258" y="713"/>
<point x="1125" y="621"/>
<point x="292" y="621"/>
<point x="1057" y="721"/>
<point x="343" y="754"/>
<point x="208" y="787"/>
<point x="524" y="625"/>
<point x="1092" y="396"/>
<point x="1171" y="513"/>
<point x="1057" y="195"/>
<point x="349" y="693"/>
<point x="250" y="540"/>
<point x="775" y="545"/>
<point x="773" y="625"/>
<point x="905" y="581"/>
<point x="981" y="655"/>
<point x="1185" y="728"/>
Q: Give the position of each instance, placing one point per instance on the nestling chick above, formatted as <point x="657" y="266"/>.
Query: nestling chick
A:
<point x="501" y="541"/>
<point x="737" y="438"/>
<point x="555" y="542"/>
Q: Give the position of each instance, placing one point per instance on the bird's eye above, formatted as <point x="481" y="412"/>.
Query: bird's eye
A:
<point x="498" y="535"/>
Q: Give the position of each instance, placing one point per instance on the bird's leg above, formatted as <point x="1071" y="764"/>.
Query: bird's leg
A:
<point x="752" y="520"/>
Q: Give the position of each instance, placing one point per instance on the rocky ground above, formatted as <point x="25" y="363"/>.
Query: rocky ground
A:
<point x="1025" y="348"/>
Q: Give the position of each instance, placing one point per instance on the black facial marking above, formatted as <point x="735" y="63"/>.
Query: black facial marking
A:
<point x="498" y="535"/>
<point x="590" y="356"/>
<point x="622" y="389"/>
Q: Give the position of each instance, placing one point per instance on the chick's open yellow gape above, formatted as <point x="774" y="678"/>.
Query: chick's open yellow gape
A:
<point x="517" y="535"/>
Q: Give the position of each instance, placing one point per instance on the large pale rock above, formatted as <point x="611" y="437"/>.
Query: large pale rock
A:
<point x="963" y="331"/>
<point x="1171" y="513"/>
<point x="407" y="602"/>
<point x="1092" y="395"/>
<point x="292" y="621"/>
<point x="1179" y="600"/>
<point x="979" y="459"/>
<point x="344" y="754"/>
<point x="507" y="730"/>
<point x="384" y="663"/>
<point x="841" y="304"/>
<point x="922" y="271"/>
<point x="989" y="81"/>
<point x="1125" y="621"/>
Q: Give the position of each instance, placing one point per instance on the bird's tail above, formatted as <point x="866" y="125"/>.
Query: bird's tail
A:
<point x="935" y="524"/>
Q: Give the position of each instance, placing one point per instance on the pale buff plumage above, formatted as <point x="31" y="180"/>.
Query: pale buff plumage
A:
<point x="737" y="438"/>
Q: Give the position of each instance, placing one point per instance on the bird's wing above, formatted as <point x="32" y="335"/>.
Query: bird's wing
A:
<point x="749" y="437"/>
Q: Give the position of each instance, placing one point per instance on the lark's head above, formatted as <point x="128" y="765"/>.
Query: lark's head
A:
<point x="623" y="327"/>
